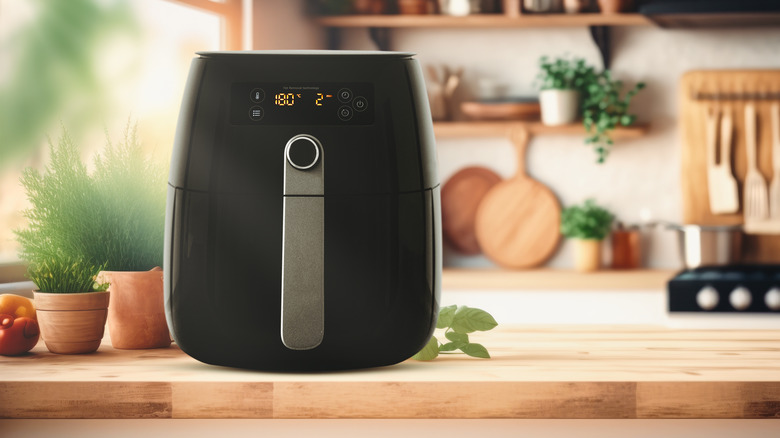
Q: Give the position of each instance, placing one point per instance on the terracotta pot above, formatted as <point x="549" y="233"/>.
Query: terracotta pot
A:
<point x="369" y="6"/>
<point x="413" y="7"/>
<point x="587" y="255"/>
<point x="136" y="316"/>
<point x="615" y="6"/>
<point x="72" y="323"/>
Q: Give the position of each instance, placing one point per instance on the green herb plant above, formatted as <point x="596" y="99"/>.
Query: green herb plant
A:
<point x="564" y="74"/>
<point x="587" y="221"/>
<point x="80" y="224"/>
<point x="604" y="110"/>
<point x="458" y="322"/>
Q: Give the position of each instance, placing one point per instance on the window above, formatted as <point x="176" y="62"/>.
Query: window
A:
<point x="91" y="66"/>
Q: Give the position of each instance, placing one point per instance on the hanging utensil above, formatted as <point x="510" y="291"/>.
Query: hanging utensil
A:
<point x="722" y="186"/>
<point x="755" y="191"/>
<point x="774" y="188"/>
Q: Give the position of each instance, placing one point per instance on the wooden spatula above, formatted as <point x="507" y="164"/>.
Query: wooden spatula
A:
<point x="722" y="186"/>
<point x="774" y="188"/>
<point x="755" y="193"/>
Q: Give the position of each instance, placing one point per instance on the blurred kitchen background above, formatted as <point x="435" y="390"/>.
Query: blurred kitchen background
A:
<point x="93" y="65"/>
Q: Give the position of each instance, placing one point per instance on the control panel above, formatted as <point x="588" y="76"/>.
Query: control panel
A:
<point x="302" y="103"/>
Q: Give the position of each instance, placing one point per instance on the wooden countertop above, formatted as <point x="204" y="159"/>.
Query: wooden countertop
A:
<point x="535" y="372"/>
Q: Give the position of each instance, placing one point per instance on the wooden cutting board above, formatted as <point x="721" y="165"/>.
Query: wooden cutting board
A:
<point x="699" y="92"/>
<point x="460" y="197"/>
<point x="518" y="220"/>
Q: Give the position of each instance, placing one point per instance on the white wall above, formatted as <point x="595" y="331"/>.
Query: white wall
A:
<point x="639" y="174"/>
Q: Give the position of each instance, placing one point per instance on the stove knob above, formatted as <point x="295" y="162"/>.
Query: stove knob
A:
<point x="772" y="298"/>
<point x="740" y="298"/>
<point x="707" y="298"/>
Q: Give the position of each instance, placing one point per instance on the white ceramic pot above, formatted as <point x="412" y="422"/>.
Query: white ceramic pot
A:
<point x="559" y="107"/>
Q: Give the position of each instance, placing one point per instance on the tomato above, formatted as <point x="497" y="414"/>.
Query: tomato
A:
<point x="17" y="335"/>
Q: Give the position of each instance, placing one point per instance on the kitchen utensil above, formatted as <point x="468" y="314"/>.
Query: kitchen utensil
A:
<point x="518" y="220"/>
<point x="774" y="188"/>
<point x="702" y="245"/>
<point x="500" y="110"/>
<point x="755" y="192"/>
<point x="303" y="211"/>
<point x="460" y="197"/>
<point x="723" y="193"/>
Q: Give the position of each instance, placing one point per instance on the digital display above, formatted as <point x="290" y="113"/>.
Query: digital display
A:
<point x="302" y="104"/>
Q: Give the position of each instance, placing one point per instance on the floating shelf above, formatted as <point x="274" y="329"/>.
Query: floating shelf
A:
<point x="555" y="279"/>
<point x="484" y="20"/>
<point x="504" y="128"/>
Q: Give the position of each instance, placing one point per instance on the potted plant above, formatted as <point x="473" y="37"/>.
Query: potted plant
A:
<point x="562" y="82"/>
<point x="71" y="307"/>
<point x="112" y="219"/>
<point x="604" y="109"/>
<point x="127" y="232"/>
<point x="588" y="225"/>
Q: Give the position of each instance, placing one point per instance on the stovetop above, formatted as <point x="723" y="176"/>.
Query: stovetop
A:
<point x="742" y="289"/>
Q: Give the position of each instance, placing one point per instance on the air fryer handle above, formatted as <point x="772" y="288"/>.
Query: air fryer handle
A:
<point x="303" y="245"/>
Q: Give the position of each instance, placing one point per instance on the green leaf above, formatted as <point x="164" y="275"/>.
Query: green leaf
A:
<point x="445" y="316"/>
<point x="457" y="337"/>
<point x="475" y="350"/>
<point x="430" y="351"/>
<point x="468" y="319"/>
<point x="451" y="346"/>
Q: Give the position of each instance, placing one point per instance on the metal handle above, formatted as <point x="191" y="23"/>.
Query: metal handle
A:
<point x="303" y="250"/>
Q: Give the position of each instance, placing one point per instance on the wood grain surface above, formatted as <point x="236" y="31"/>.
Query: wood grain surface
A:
<point x="460" y="197"/>
<point x="700" y="91"/>
<point x="518" y="221"/>
<point x="535" y="372"/>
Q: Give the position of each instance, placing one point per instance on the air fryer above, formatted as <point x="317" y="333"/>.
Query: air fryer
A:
<point x="303" y="225"/>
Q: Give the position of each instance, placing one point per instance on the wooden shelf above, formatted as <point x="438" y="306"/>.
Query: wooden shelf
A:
<point x="624" y="372"/>
<point x="555" y="279"/>
<point x="503" y="129"/>
<point x="484" y="20"/>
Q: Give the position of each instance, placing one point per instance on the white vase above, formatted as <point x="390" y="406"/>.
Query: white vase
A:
<point x="559" y="107"/>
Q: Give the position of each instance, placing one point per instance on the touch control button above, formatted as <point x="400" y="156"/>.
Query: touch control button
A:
<point x="360" y="103"/>
<point x="345" y="113"/>
<point x="256" y="113"/>
<point x="302" y="152"/>
<point x="345" y="95"/>
<point x="257" y="95"/>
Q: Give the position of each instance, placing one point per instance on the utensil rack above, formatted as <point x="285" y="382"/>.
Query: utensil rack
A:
<point x="728" y="90"/>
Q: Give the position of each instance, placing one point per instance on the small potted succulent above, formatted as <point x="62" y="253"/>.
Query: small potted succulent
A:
<point x="111" y="220"/>
<point x="604" y="109"/>
<point x="562" y="82"/>
<point x="71" y="307"/>
<point x="587" y="224"/>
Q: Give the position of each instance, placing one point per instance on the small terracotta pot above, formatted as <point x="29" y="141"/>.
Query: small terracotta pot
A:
<point x="615" y="6"/>
<point x="587" y="255"/>
<point x="413" y="7"/>
<point x="136" y="316"/>
<point x="72" y="323"/>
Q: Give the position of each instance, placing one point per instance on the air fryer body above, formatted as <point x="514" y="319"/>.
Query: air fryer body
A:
<point x="271" y="265"/>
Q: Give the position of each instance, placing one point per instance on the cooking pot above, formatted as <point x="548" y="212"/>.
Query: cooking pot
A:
<point x="704" y="245"/>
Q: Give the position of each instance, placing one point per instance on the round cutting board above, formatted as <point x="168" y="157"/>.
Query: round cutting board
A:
<point x="460" y="197"/>
<point x="518" y="221"/>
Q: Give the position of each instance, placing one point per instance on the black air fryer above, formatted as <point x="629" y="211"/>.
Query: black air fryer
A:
<point x="303" y="225"/>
